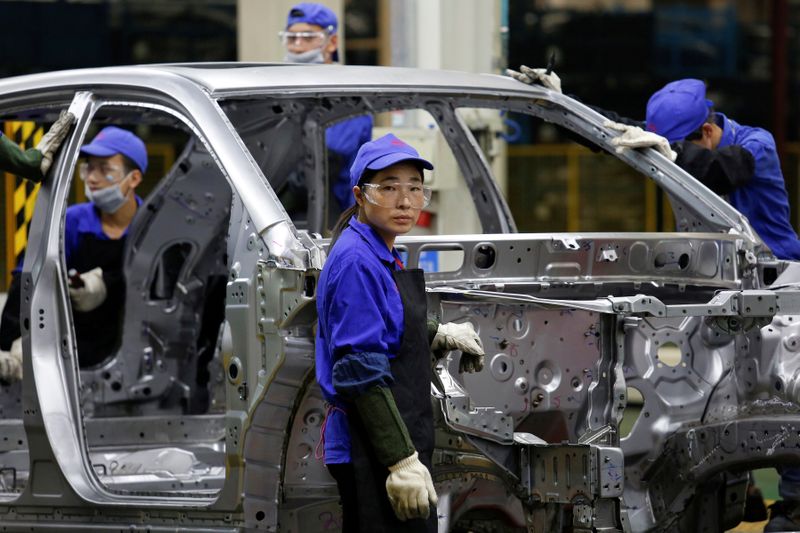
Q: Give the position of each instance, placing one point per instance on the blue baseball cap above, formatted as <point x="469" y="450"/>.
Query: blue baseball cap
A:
<point x="678" y="109"/>
<point x="311" y="13"/>
<point x="381" y="153"/>
<point x="113" y="140"/>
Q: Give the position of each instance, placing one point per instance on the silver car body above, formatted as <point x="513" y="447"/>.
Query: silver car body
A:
<point x="571" y="322"/>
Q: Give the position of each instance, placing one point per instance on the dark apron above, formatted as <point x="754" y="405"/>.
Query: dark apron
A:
<point x="411" y="370"/>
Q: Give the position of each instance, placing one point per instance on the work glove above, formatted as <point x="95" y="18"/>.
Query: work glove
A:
<point x="536" y="75"/>
<point x="88" y="291"/>
<point x="50" y="141"/>
<point x="409" y="486"/>
<point x="11" y="363"/>
<point x="636" y="137"/>
<point x="410" y="489"/>
<point x="453" y="336"/>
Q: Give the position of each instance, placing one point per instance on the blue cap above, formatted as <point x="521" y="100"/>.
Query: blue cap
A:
<point x="113" y="140"/>
<point x="678" y="109"/>
<point x="311" y="13"/>
<point x="381" y="153"/>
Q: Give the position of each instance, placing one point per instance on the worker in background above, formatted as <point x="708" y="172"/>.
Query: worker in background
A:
<point x="740" y="162"/>
<point x="31" y="164"/>
<point x="94" y="240"/>
<point x="373" y="349"/>
<point x="311" y="36"/>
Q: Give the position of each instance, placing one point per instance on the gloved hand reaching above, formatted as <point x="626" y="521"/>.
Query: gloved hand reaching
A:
<point x="50" y="141"/>
<point x="636" y="137"/>
<point x="536" y="75"/>
<point x="410" y="489"/>
<point x="34" y="163"/>
<point x="11" y="363"/>
<point x="92" y="293"/>
<point x="453" y="336"/>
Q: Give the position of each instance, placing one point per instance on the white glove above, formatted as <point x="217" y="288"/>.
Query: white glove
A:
<point x="93" y="292"/>
<point x="536" y="75"/>
<point x="453" y="336"/>
<point x="410" y="489"/>
<point x="11" y="363"/>
<point x="51" y="140"/>
<point x="636" y="137"/>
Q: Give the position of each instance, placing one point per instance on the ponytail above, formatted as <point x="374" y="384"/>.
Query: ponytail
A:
<point x="342" y="223"/>
<point x="344" y="219"/>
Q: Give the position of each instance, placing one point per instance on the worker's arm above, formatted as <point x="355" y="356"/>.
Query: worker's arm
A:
<point x="540" y="76"/>
<point x="455" y="336"/>
<point x="722" y="170"/>
<point x="34" y="163"/>
<point x="23" y="163"/>
<point x="9" y="324"/>
<point x="11" y="363"/>
<point x="364" y="379"/>
<point x="10" y="342"/>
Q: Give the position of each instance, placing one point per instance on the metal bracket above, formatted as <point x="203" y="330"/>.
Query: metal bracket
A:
<point x="569" y="473"/>
<point x="460" y="415"/>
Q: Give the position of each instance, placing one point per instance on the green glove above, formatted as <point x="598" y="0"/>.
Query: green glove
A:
<point x="23" y="163"/>
<point x="385" y="428"/>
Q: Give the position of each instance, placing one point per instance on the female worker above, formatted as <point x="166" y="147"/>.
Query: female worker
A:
<point x="373" y="349"/>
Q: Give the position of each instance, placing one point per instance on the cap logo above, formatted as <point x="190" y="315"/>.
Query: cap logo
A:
<point x="398" y="142"/>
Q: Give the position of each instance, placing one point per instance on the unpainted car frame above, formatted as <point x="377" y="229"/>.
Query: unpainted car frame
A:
<point x="570" y="323"/>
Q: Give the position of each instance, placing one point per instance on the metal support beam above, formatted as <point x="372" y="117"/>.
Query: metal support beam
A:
<point x="778" y="22"/>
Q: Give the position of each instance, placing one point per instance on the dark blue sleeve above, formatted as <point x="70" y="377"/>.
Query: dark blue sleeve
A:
<point x="356" y="373"/>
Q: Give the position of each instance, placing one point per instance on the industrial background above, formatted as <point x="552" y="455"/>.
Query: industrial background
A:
<point x="610" y="53"/>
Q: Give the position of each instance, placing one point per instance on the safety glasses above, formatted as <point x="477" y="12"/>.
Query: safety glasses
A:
<point x="109" y="172"/>
<point x="392" y="194"/>
<point x="301" y="37"/>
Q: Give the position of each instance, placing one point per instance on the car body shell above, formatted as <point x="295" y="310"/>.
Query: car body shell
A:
<point x="571" y="323"/>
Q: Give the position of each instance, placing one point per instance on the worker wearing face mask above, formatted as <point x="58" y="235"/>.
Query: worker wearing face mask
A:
<point x="311" y="36"/>
<point x="94" y="240"/>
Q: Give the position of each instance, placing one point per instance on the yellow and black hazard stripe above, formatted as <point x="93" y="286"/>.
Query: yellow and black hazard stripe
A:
<point x="20" y="195"/>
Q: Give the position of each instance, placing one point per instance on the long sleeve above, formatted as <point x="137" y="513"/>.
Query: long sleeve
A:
<point x="723" y="170"/>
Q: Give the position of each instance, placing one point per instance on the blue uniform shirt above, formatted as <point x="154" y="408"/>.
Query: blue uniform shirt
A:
<point x="763" y="200"/>
<point x="360" y="326"/>
<point x="83" y="219"/>
<point x="345" y="138"/>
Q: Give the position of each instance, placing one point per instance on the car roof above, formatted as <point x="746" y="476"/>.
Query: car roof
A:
<point x="219" y="79"/>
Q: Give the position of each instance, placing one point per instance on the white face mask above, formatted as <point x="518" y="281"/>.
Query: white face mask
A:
<point x="109" y="199"/>
<point x="310" y="56"/>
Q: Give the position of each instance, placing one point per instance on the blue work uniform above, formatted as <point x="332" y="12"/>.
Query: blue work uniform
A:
<point x="763" y="200"/>
<point x="86" y="246"/>
<point x="343" y="141"/>
<point x="372" y="332"/>
<point x="360" y="326"/>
